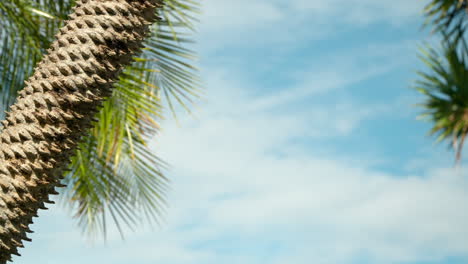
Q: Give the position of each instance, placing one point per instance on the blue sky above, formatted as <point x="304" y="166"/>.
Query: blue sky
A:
<point x="305" y="149"/>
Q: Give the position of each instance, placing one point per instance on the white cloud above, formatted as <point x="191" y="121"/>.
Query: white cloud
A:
<point x="226" y="14"/>
<point x="238" y="189"/>
<point x="280" y="22"/>
<point x="328" y="210"/>
<point x="242" y="183"/>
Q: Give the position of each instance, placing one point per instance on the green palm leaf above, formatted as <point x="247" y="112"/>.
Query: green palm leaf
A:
<point x="445" y="87"/>
<point x="447" y="15"/>
<point x="25" y="32"/>
<point x="114" y="174"/>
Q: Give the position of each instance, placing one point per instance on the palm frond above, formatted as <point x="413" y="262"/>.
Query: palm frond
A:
<point x="445" y="87"/>
<point x="128" y="183"/>
<point x="25" y="32"/>
<point x="447" y="15"/>
<point x="114" y="175"/>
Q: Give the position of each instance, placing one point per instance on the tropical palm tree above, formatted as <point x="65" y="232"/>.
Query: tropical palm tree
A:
<point x="112" y="170"/>
<point x="445" y="83"/>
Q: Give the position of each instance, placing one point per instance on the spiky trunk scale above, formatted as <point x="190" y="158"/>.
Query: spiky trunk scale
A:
<point x="56" y="107"/>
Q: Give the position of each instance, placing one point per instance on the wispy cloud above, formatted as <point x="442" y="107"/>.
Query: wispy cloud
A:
<point x="276" y="22"/>
<point x="232" y="183"/>
<point x="337" y="70"/>
<point x="251" y="182"/>
<point x="242" y="195"/>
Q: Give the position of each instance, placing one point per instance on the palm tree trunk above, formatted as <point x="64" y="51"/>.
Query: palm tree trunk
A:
<point x="56" y="107"/>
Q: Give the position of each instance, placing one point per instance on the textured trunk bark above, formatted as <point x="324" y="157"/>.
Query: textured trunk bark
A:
<point x="56" y="106"/>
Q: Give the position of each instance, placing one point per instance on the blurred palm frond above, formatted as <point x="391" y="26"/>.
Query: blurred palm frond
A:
<point x="114" y="172"/>
<point x="445" y="86"/>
